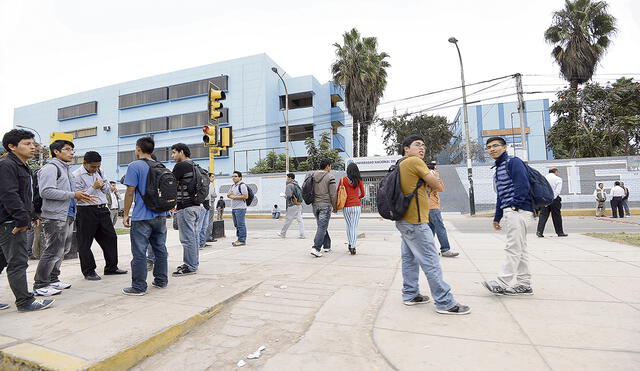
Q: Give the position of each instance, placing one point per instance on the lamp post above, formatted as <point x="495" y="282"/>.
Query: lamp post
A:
<point x="40" y="158"/>
<point x="286" y="118"/>
<point x="472" y="203"/>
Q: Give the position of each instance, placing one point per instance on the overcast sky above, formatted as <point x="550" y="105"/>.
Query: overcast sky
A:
<point x="55" y="48"/>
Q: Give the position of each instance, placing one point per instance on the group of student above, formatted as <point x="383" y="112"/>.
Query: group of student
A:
<point x="66" y="196"/>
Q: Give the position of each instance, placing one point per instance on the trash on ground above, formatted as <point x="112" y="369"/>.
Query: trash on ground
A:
<point x="257" y="353"/>
<point x="241" y="363"/>
<point x="283" y="286"/>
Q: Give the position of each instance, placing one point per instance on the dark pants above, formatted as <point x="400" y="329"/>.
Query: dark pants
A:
<point x="323" y="215"/>
<point x="14" y="257"/>
<point x="95" y="222"/>
<point x="437" y="227"/>
<point x="616" y="207"/>
<point x="554" y="209"/>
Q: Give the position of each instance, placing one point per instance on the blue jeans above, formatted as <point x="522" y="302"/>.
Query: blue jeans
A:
<point x="189" y="231"/>
<point x="146" y="233"/>
<point x="323" y="215"/>
<point x="239" y="223"/>
<point x="204" y="224"/>
<point x="625" y="206"/>
<point x="418" y="251"/>
<point x="437" y="227"/>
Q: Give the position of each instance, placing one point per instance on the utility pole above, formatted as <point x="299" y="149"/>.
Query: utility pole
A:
<point x="523" y="136"/>
<point x="286" y="118"/>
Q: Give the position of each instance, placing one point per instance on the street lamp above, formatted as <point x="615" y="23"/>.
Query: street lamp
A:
<point x="286" y="118"/>
<point x="39" y="140"/>
<point x="472" y="203"/>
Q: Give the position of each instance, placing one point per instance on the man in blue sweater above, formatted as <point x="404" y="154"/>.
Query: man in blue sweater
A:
<point x="514" y="204"/>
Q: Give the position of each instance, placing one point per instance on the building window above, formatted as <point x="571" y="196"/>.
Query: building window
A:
<point x="83" y="133"/>
<point x="188" y="120"/>
<point x="143" y="97"/>
<point x="298" y="100"/>
<point x="126" y="157"/>
<point x="142" y="126"/>
<point x="297" y="132"/>
<point x="164" y="154"/>
<point x="79" y="110"/>
<point x="188" y="89"/>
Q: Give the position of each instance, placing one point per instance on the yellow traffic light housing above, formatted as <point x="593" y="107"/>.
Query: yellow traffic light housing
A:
<point x="226" y="139"/>
<point x="215" y="107"/>
<point x="209" y="137"/>
<point x="60" y="136"/>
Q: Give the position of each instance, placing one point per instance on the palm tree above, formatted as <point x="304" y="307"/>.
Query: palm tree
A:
<point x="581" y="34"/>
<point x="361" y="71"/>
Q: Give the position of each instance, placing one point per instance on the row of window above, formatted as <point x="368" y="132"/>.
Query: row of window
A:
<point x="172" y="92"/>
<point x="79" y="110"/>
<point x="186" y="120"/>
<point x="298" y="100"/>
<point x="296" y="133"/>
<point x="164" y="154"/>
<point x="83" y="133"/>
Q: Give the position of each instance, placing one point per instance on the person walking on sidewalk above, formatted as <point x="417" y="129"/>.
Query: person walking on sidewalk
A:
<point x="189" y="213"/>
<point x="211" y="203"/>
<point x="418" y="247"/>
<point x="601" y="197"/>
<point x="114" y="202"/>
<point x="148" y="227"/>
<point x="514" y="203"/>
<point x="625" y="199"/>
<point x="238" y="195"/>
<point x="435" y="217"/>
<point x="93" y="219"/>
<point x="324" y="201"/>
<point x="355" y="191"/>
<point x="220" y="205"/>
<point x="554" y="208"/>
<point x="293" y="198"/>
<point x="16" y="215"/>
<point x="59" y="198"/>
<point x="616" y="195"/>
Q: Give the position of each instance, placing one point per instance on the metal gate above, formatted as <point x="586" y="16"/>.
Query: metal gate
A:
<point x="371" y="185"/>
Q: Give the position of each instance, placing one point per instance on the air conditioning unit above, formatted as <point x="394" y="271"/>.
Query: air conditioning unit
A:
<point x="106" y="128"/>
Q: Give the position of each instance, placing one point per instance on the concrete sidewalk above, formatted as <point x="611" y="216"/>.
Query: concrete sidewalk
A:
<point x="341" y="311"/>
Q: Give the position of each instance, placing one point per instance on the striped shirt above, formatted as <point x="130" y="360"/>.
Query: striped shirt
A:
<point x="504" y="185"/>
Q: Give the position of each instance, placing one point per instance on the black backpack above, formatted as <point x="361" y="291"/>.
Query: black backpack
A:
<point x="37" y="199"/>
<point x="539" y="187"/>
<point x="162" y="189"/>
<point x="308" y="194"/>
<point x="251" y="194"/>
<point x="392" y="203"/>
<point x="199" y="186"/>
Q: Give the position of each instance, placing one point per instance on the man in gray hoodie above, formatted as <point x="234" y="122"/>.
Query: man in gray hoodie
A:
<point x="293" y="195"/>
<point x="324" y="201"/>
<point x="55" y="183"/>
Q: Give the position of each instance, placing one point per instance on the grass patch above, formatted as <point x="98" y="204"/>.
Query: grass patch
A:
<point x="632" y="239"/>
<point x="122" y="230"/>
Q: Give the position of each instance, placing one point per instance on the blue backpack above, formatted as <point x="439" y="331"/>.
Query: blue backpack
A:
<point x="539" y="187"/>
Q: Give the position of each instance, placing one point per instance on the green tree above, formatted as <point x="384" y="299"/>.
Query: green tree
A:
<point x="361" y="71"/>
<point x="581" y="34"/>
<point x="435" y="130"/>
<point x="273" y="163"/>
<point x="607" y="123"/>
<point x="318" y="152"/>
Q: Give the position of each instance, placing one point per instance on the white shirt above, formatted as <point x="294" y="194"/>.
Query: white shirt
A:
<point x="556" y="184"/>
<point x="602" y="192"/>
<point x="616" y="191"/>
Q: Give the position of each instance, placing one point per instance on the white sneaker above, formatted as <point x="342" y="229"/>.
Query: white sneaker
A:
<point x="326" y="250"/>
<point x="280" y="235"/>
<point x="301" y="237"/>
<point x="315" y="253"/>
<point x="60" y="285"/>
<point x="46" y="291"/>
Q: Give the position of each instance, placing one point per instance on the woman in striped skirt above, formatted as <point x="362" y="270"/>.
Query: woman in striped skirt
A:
<point x="351" y="211"/>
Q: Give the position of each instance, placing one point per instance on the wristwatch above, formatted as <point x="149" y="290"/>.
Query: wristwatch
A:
<point x="514" y="208"/>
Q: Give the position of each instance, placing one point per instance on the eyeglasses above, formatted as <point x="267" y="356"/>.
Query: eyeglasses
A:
<point x="494" y="146"/>
<point x="68" y="149"/>
<point x="419" y="145"/>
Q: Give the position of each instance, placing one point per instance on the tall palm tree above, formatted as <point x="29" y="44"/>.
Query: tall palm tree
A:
<point x="581" y="33"/>
<point x="361" y="71"/>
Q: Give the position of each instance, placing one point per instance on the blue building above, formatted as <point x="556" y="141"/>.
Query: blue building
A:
<point x="502" y="119"/>
<point x="172" y="107"/>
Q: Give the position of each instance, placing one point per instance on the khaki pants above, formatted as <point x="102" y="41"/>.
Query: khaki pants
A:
<point x="516" y="265"/>
<point x="600" y="207"/>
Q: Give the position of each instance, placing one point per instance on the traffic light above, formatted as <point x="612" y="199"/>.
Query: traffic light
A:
<point x="209" y="135"/>
<point x="60" y="136"/>
<point x="226" y="139"/>
<point x="215" y="107"/>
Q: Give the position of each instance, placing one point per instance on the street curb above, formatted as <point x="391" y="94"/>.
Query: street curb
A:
<point x="27" y="356"/>
<point x="574" y="212"/>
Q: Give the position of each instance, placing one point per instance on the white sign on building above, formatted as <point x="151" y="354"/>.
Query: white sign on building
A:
<point x="375" y="163"/>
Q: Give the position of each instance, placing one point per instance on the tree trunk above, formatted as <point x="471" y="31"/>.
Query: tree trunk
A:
<point x="364" y="137"/>
<point x="356" y="126"/>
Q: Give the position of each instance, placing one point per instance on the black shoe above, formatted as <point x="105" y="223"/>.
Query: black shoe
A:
<point x="519" y="290"/>
<point x="539" y="234"/>
<point x="4" y="306"/>
<point x="154" y="284"/>
<point x="183" y="271"/>
<point x="352" y="250"/>
<point x="458" y="309"/>
<point x="92" y="277"/>
<point x="493" y="287"/>
<point x="117" y="271"/>
<point x="419" y="299"/>
<point x="132" y="292"/>
<point x="212" y="240"/>
<point x="37" y="305"/>
<point x="562" y="235"/>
